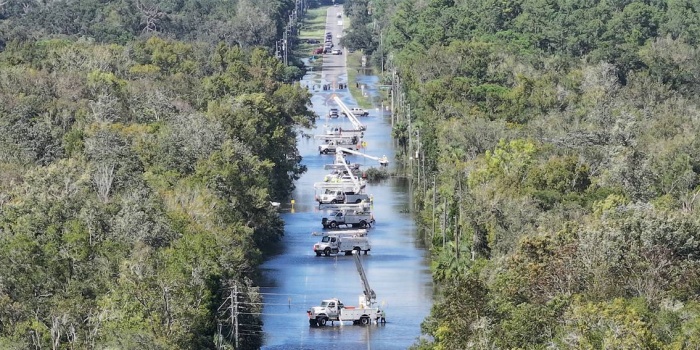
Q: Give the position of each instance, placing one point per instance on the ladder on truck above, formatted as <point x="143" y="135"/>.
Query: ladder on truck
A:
<point x="342" y="233"/>
<point x="362" y="206"/>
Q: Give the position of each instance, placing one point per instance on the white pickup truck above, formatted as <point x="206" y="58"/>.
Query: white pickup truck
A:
<point x="338" y="196"/>
<point x="352" y="218"/>
<point x="341" y="243"/>
<point x="358" y="112"/>
<point x="334" y="310"/>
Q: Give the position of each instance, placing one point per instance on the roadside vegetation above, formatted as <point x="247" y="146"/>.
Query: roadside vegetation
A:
<point x="140" y="147"/>
<point x="558" y="161"/>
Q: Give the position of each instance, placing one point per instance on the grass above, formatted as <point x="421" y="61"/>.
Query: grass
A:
<point x="354" y="68"/>
<point x="314" y="24"/>
<point x="313" y="27"/>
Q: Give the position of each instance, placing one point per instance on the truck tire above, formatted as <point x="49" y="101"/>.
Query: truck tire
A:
<point x="333" y="224"/>
<point x="358" y="201"/>
<point x="334" y="202"/>
<point x="363" y="224"/>
<point x="364" y="320"/>
<point x="357" y="250"/>
<point x="327" y="251"/>
<point x="313" y="323"/>
<point x="321" y="321"/>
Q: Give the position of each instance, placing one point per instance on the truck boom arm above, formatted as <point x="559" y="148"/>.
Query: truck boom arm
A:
<point x="370" y="296"/>
<point x="383" y="161"/>
<point x="348" y="113"/>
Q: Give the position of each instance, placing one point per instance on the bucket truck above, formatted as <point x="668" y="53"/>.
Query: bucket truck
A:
<point x="340" y="196"/>
<point x="334" y="196"/>
<point x="348" y="218"/>
<point x="339" y="139"/>
<point x="334" y="310"/>
<point x="347" y="242"/>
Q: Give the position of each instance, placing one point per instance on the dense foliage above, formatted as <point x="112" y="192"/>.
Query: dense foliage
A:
<point x="557" y="168"/>
<point x="136" y="176"/>
<point x="245" y="22"/>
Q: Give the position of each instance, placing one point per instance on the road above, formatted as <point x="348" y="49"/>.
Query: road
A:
<point x="397" y="267"/>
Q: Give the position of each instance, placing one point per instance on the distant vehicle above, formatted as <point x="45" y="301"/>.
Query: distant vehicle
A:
<point x="313" y="41"/>
<point x="359" y="112"/>
<point x="339" y="15"/>
<point x="337" y="52"/>
<point x="318" y="51"/>
<point x="333" y="113"/>
<point x="340" y="23"/>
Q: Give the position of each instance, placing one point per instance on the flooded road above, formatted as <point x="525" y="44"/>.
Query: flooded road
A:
<point x="296" y="279"/>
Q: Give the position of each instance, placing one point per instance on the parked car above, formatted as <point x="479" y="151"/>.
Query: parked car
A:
<point x="318" y="51"/>
<point x="337" y="52"/>
<point x="313" y="41"/>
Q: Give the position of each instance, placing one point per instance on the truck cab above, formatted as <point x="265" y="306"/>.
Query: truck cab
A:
<point x="328" y="310"/>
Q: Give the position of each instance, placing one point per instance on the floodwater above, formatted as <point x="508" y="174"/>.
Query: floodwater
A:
<point x="397" y="266"/>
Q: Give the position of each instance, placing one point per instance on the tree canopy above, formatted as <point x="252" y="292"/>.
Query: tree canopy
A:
<point x="141" y="145"/>
<point x="555" y="167"/>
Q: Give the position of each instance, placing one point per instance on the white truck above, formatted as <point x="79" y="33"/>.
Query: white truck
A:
<point x="339" y="196"/>
<point x="333" y="309"/>
<point x="342" y="243"/>
<point x="348" y="218"/>
<point x="358" y="112"/>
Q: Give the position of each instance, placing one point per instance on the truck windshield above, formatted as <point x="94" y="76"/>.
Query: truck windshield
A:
<point x="325" y="239"/>
<point x="324" y="303"/>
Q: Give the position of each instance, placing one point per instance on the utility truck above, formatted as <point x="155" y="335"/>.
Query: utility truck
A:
<point x="343" y="242"/>
<point x="333" y="147"/>
<point x="348" y="218"/>
<point x="342" y="181"/>
<point x="358" y="112"/>
<point x="340" y="196"/>
<point x="334" y="310"/>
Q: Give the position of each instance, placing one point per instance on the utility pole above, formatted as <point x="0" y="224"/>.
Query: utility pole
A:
<point x="393" y="95"/>
<point x="234" y="313"/>
<point x="444" y="221"/>
<point x="418" y="154"/>
<point x="434" y="203"/>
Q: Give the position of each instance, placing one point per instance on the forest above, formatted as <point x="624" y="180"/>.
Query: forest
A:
<point x="141" y="146"/>
<point x="555" y="162"/>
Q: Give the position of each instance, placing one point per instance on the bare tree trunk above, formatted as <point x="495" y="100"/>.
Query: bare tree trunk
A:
<point x="103" y="179"/>
<point x="55" y="332"/>
<point x="151" y="15"/>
